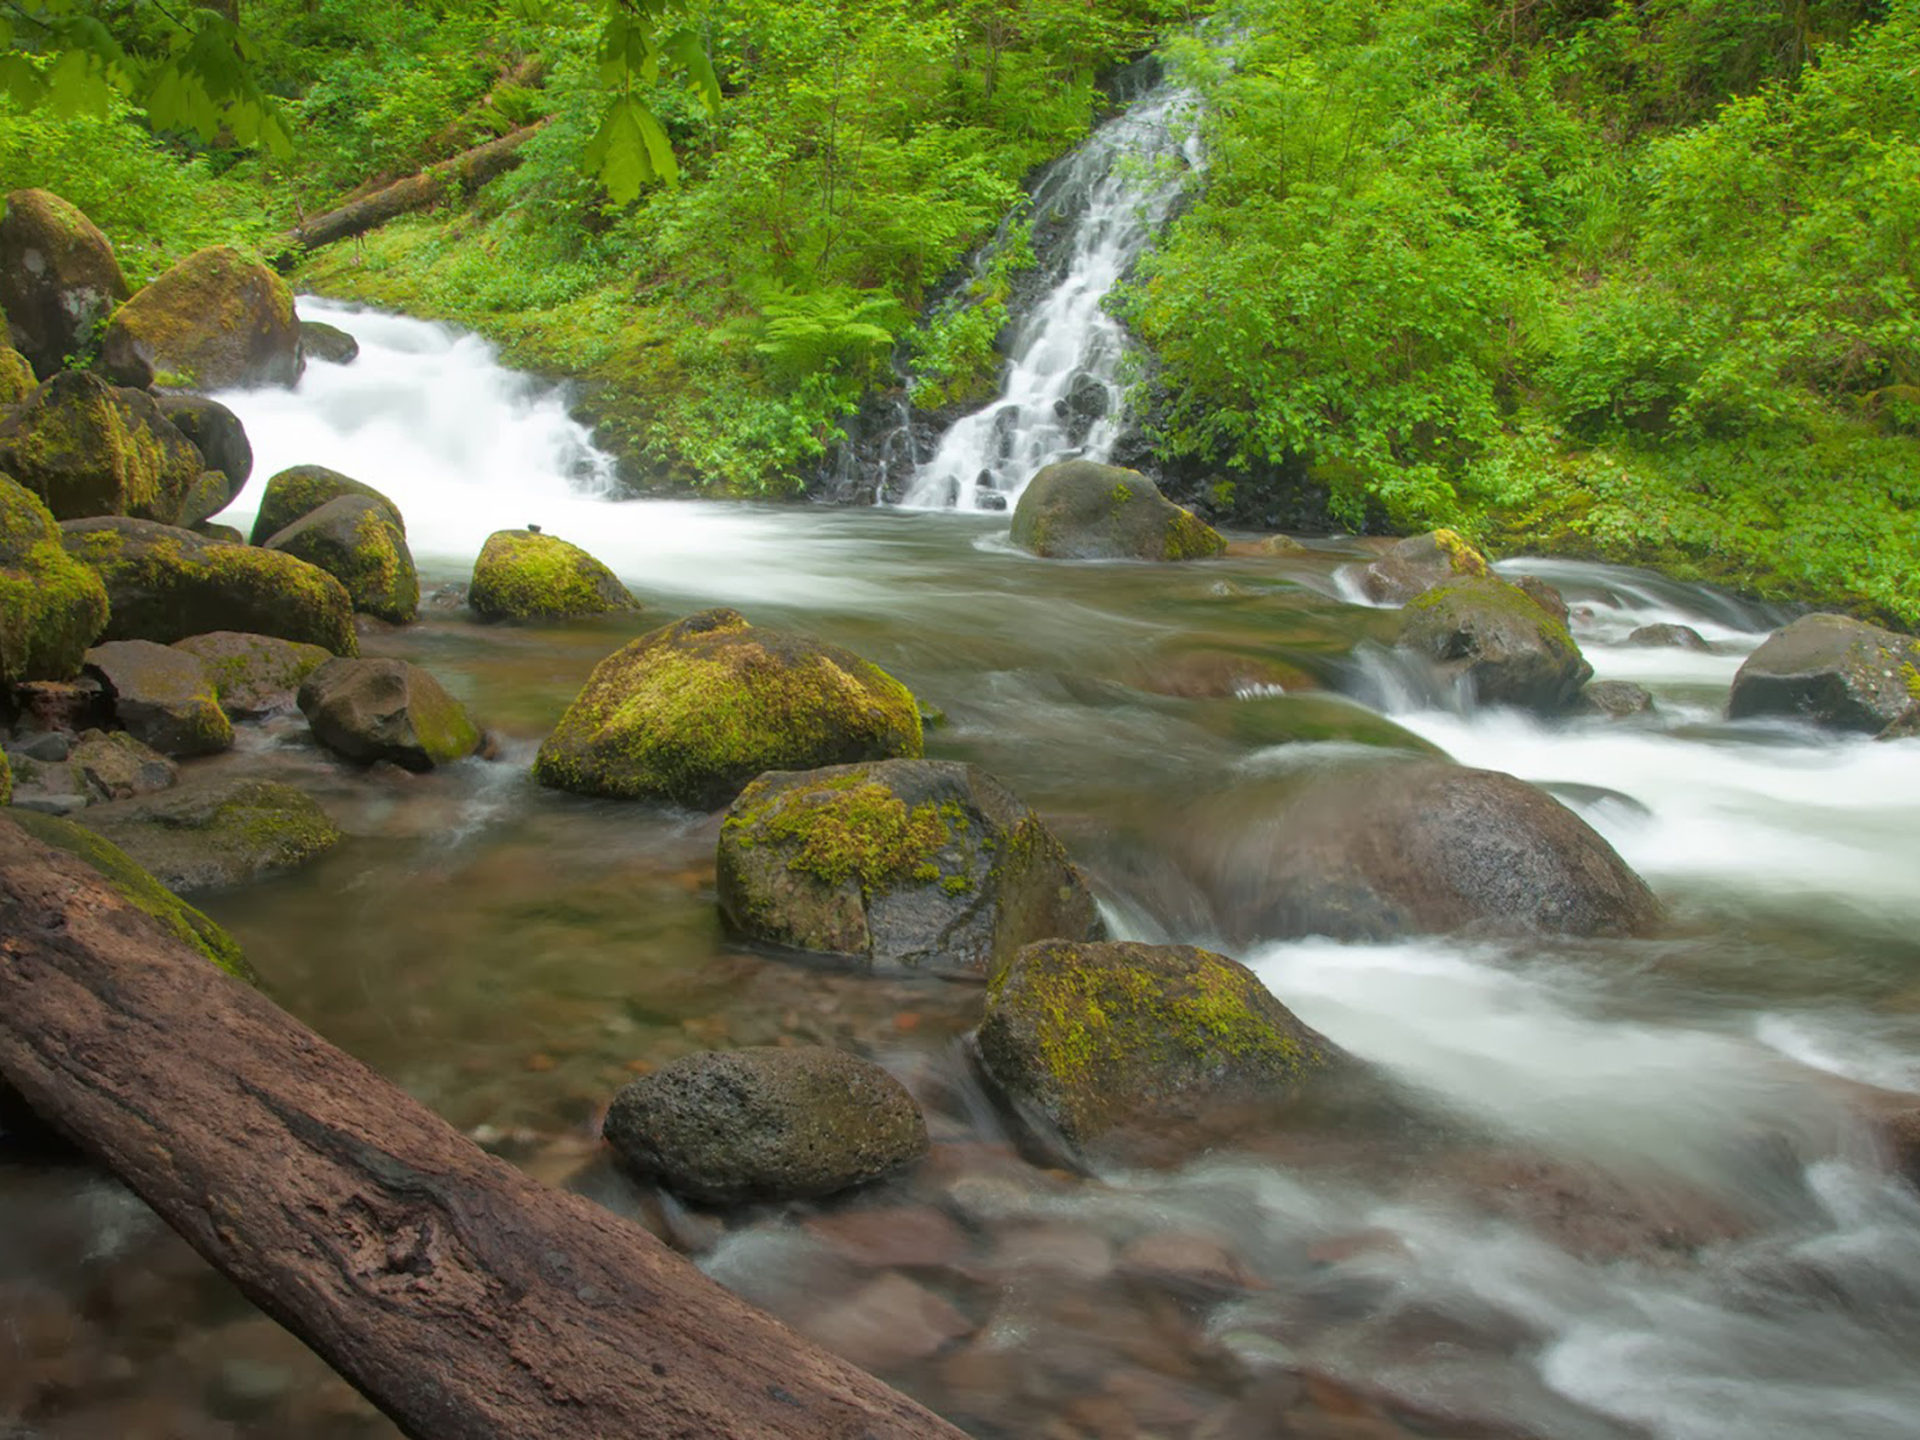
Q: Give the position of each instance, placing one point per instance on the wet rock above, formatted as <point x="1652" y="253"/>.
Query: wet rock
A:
<point x="886" y="1323"/>
<point x="1380" y="851"/>
<point x="49" y="746"/>
<point x="1543" y="595"/>
<point x="356" y="539"/>
<point x="58" y="279"/>
<point x="1196" y="1264"/>
<point x="216" y="432"/>
<point x="51" y="606"/>
<point x="1840" y="673"/>
<point x="300" y="490"/>
<point x="373" y="710"/>
<point x="215" y="321"/>
<point x="1509" y="650"/>
<point x="1268" y="547"/>
<point x="692" y="711"/>
<point x="1063" y="1251"/>
<point x="48" y="788"/>
<point x="162" y="697"/>
<point x="207" y="496"/>
<point x="1906" y="727"/>
<point x="911" y="1236"/>
<point x="1317" y="719"/>
<point x="220" y="833"/>
<point x="165" y="584"/>
<point x="117" y="766"/>
<point x="320" y="341"/>
<point x="917" y="865"/>
<point x="728" y="1126"/>
<point x="525" y="575"/>
<point x="253" y="675"/>
<point x="138" y="887"/>
<point x="1675" y="637"/>
<point x="1078" y="510"/>
<point x="1418" y="564"/>
<point x="86" y="448"/>
<point x="1109" y="1045"/>
<point x="1206" y="674"/>
<point x="1615" y="699"/>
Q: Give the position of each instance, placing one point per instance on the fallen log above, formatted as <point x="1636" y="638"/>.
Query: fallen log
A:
<point x="464" y="173"/>
<point x="460" y="1296"/>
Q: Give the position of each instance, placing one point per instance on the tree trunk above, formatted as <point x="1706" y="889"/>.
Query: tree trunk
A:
<point x="461" y="1297"/>
<point x="463" y="173"/>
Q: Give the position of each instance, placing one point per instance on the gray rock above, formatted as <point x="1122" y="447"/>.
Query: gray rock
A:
<point x="162" y="696"/>
<point x="254" y="675"/>
<point x="1841" y="673"/>
<point x="371" y="710"/>
<point x="1077" y="510"/>
<point x="1669" y="636"/>
<point x="216" y="432"/>
<point x="1615" y="699"/>
<point x="1419" y="563"/>
<point x="766" y="1124"/>
<point x="117" y="766"/>
<point x="1509" y="649"/>
<point x="918" y="865"/>
<point x="204" y="836"/>
<point x="320" y="341"/>
<point x="58" y="279"/>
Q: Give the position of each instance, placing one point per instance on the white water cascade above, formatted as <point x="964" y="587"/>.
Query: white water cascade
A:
<point x="1061" y="397"/>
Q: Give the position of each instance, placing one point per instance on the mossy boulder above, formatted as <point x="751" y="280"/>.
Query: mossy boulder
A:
<point x="216" y="432"/>
<point x="300" y="490"/>
<point x="139" y="888"/>
<point x="215" y="321"/>
<point x="6" y="779"/>
<point x="1079" y="510"/>
<point x="694" y="710"/>
<point x="58" y="279"/>
<point x="17" y="379"/>
<point x="1499" y="641"/>
<point x="320" y="341"/>
<point x="87" y="448"/>
<point x="1311" y="719"/>
<point x="51" y="606"/>
<point x="253" y="675"/>
<point x="166" y="584"/>
<point x="1117" y="1047"/>
<point x="370" y="710"/>
<point x="209" y="494"/>
<point x="356" y="540"/>
<point x="524" y="575"/>
<point x="114" y="765"/>
<point x="1419" y="563"/>
<point x="914" y="865"/>
<point x="205" y="836"/>
<point x="1836" y="672"/>
<point x="767" y="1123"/>
<point x="162" y="696"/>
<point x="1392" y="848"/>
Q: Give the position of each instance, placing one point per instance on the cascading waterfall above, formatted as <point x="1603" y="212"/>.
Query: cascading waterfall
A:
<point x="1061" y="397"/>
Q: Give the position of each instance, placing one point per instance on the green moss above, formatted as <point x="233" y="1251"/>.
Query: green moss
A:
<point x="51" y="606"/>
<point x="354" y="539"/>
<point x="1911" y="677"/>
<point x="296" y="492"/>
<point x="441" y="724"/>
<point x="523" y="575"/>
<point x="863" y="833"/>
<point x="140" y="889"/>
<point x="1191" y="538"/>
<point x="1464" y="559"/>
<point x="16" y="375"/>
<point x="1121" y="493"/>
<point x="6" y="779"/>
<point x="1495" y="595"/>
<point x="213" y="320"/>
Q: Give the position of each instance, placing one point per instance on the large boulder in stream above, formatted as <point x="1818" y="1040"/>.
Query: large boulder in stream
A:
<point x="694" y="710"/>
<point x="51" y="606"/>
<point x="1079" y="510"/>
<point x="916" y="865"/>
<point x="87" y="448"/>
<point x="1501" y="641"/>
<point x="220" y="833"/>
<point x="1841" y="673"/>
<point x="1396" y="848"/>
<point x="1418" y="564"/>
<point x="162" y="696"/>
<point x="768" y="1123"/>
<point x="1120" y="1048"/>
<point x="253" y="675"/>
<point x="58" y="279"/>
<point x="215" y="321"/>
<point x="524" y="575"/>
<point x="371" y="710"/>
<point x="300" y="490"/>
<point x="358" y="541"/>
<point x="166" y="584"/>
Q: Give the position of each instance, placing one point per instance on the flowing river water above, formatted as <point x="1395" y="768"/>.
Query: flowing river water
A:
<point x="1641" y="1199"/>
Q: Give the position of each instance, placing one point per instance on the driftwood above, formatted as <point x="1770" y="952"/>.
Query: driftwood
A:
<point x="463" y="173"/>
<point x="461" y="1297"/>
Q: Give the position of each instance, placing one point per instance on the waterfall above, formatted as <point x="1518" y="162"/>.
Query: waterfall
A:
<point x="1061" y="396"/>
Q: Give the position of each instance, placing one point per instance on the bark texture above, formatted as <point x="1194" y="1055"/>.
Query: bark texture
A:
<point x="463" y="1298"/>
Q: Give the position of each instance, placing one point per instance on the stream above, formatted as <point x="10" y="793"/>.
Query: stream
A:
<point x="1643" y="1202"/>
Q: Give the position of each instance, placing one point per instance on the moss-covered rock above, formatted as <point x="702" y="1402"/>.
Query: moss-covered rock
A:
<point x="302" y="489"/>
<point x="139" y="888"/>
<point x="524" y="575"/>
<point x="58" y="279"/>
<point x="210" y="493"/>
<point x="16" y="376"/>
<point x="202" y="837"/>
<point x="356" y="540"/>
<point x="369" y="710"/>
<point x="1419" y="563"/>
<point x="767" y="1123"/>
<point x="253" y="675"/>
<point x="330" y="343"/>
<point x="692" y="711"/>
<point x="1834" y="671"/>
<point x="6" y="779"/>
<point x="1505" y="646"/>
<point x="87" y="449"/>
<point x="166" y="584"/>
<point x="162" y="696"/>
<point x="216" y="432"/>
<point x="215" y="321"/>
<point x="114" y="765"/>
<point x="1105" y="1045"/>
<point x="916" y="865"/>
<point x="1078" y="510"/>
<point x="51" y="606"/>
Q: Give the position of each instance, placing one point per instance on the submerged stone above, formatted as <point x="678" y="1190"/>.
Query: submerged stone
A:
<point x="217" y="834"/>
